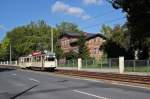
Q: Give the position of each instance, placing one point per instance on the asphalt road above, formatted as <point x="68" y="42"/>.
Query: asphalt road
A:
<point x="19" y="84"/>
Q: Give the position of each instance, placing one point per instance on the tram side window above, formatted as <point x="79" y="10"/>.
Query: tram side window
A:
<point x="36" y="59"/>
<point x="26" y="59"/>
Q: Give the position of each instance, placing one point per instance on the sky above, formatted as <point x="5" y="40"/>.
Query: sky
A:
<point x="89" y="15"/>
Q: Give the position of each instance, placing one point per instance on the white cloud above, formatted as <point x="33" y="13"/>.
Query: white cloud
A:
<point x="75" y="11"/>
<point x="90" y="2"/>
<point x="2" y="27"/>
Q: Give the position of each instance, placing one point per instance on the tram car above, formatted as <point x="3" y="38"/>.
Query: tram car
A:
<point x="38" y="60"/>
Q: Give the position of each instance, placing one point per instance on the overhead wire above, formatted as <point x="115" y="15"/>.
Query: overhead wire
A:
<point x="100" y="15"/>
<point x="108" y="21"/>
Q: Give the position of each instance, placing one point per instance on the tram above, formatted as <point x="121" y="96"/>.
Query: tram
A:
<point x="38" y="60"/>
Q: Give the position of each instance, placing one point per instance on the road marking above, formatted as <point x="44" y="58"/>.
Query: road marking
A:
<point x="134" y="86"/>
<point x="32" y="79"/>
<point x="108" y="82"/>
<point x="13" y="74"/>
<point x="93" y="80"/>
<point x="100" y="97"/>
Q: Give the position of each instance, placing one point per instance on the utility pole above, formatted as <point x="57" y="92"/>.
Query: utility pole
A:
<point x="10" y="54"/>
<point x="51" y="39"/>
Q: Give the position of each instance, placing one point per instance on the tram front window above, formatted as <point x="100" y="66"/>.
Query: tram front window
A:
<point x="50" y="59"/>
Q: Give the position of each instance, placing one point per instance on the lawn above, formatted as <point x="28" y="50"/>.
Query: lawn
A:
<point x="138" y="69"/>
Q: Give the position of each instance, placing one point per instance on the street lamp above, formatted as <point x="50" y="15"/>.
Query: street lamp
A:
<point x="51" y="39"/>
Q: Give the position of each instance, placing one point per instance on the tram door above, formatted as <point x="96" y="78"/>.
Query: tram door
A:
<point x="37" y="61"/>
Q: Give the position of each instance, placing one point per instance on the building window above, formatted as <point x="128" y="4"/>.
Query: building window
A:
<point x="95" y="40"/>
<point x="96" y="51"/>
<point x="64" y="42"/>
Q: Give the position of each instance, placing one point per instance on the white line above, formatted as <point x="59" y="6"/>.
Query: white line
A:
<point x="108" y="82"/>
<point x="100" y="81"/>
<point x="134" y="86"/>
<point x="13" y="74"/>
<point x="100" y="97"/>
<point x="34" y="80"/>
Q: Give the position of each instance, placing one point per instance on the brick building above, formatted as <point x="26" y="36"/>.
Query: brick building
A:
<point x="68" y="42"/>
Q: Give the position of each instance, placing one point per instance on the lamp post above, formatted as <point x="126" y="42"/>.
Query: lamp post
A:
<point x="51" y="39"/>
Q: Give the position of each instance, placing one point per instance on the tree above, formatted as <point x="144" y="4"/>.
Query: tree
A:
<point x="28" y="38"/>
<point x="83" y="50"/>
<point x="138" y="16"/>
<point x="117" y="42"/>
<point x="4" y="49"/>
<point x="59" y="52"/>
<point x="34" y="36"/>
<point x="106" y="30"/>
<point x="71" y="55"/>
<point x="67" y="27"/>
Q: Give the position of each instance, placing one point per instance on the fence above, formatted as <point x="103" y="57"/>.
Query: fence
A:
<point x="112" y="63"/>
<point x="137" y="65"/>
<point x="68" y="63"/>
<point x="103" y="64"/>
<point x="109" y="65"/>
<point x="15" y="63"/>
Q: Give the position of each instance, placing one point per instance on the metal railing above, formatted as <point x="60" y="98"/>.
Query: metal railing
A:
<point x="68" y="63"/>
<point x="13" y="63"/>
<point x="101" y="64"/>
<point x="91" y="63"/>
<point x="137" y="65"/>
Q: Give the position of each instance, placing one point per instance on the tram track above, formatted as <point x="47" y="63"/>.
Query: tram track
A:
<point x="138" y="79"/>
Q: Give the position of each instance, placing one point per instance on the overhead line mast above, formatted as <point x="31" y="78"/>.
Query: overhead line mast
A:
<point x="52" y="49"/>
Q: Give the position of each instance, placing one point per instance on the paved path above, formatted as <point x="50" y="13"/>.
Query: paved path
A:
<point x="19" y="84"/>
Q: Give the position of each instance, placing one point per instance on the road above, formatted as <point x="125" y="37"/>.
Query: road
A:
<point x="21" y="84"/>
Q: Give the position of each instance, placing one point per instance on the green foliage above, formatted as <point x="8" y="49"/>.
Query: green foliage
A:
<point x="113" y="49"/>
<point x="34" y="36"/>
<point x="120" y="36"/>
<point x="59" y="52"/>
<point x="83" y="50"/>
<point x="117" y="43"/>
<point x="106" y="30"/>
<point x="67" y="27"/>
<point x="138" y="16"/>
<point x="71" y="55"/>
<point x="28" y="38"/>
<point x="4" y="49"/>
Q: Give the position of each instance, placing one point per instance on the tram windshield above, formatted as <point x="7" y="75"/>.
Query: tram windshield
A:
<point x="50" y="59"/>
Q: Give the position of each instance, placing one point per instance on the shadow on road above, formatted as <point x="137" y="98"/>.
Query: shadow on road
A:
<point x="87" y="86"/>
<point x="21" y="93"/>
<point x="6" y="69"/>
<point x="92" y="85"/>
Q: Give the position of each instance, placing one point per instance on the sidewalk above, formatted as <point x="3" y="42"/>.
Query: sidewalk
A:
<point x="91" y="69"/>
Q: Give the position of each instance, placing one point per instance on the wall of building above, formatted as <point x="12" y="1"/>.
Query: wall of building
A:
<point x="93" y="45"/>
<point x="65" y="44"/>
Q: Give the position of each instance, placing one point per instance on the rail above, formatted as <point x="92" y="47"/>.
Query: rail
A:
<point x="138" y="79"/>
